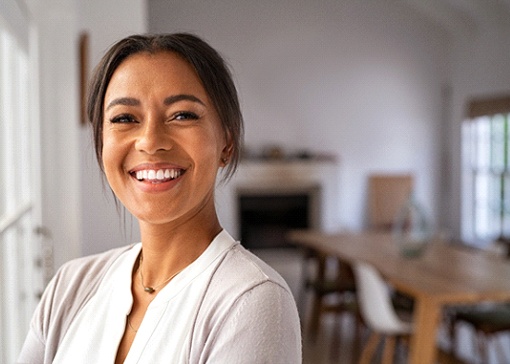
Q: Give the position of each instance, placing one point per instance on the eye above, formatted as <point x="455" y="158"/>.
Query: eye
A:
<point x="185" y="115"/>
<point x="123" y="119"/>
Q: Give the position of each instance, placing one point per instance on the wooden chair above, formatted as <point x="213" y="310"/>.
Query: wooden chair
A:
<point x="339" y="287"/>
<point x="387" y="194"/>
<point x="316" y="279"/>
<point x="488" y="320"/>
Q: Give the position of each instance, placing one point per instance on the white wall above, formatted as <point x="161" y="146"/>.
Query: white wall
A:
<point x="55" y="35"/>
<point x="359" y="79"/>
<point x="102" y="226"/>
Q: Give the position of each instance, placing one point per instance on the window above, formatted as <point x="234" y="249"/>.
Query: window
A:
<point x="20" y="246"/>
<point x="486" y="138"/>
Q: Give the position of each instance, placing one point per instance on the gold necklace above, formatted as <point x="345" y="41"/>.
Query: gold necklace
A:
<point x="152" y="289"/>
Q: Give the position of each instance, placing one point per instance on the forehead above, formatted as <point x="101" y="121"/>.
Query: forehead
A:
<point x="146" y="71"/>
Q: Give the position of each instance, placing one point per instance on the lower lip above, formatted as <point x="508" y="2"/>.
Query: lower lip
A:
<point x="150" y="187"/>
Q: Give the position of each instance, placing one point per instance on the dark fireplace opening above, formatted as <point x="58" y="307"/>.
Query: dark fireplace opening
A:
<point x="265" y="218"/>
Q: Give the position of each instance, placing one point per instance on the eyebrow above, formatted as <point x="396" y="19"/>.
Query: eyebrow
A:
<point x="176" y="98"/>
<point x="126" y="101"/>
<point x="129" y="101"/>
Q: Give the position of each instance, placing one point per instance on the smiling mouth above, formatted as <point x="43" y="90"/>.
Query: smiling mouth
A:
<point x="157" y="175"/>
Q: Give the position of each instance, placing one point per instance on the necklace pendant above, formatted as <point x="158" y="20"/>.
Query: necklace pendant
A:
<point x="149" y="290"/>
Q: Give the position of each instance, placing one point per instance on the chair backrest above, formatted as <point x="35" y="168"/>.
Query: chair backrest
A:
<point x="387" y="194"/>
<point x="375" y="301"/>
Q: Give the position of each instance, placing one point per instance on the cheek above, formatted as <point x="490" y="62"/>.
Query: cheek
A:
<point x="206" y="145"/>
<point x="111" y="157"/>
<point x="106" y="152"/>
<point x="211" y="152"/>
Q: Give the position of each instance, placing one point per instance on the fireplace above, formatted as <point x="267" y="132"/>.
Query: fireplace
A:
<point x="292" y="183"/>
<point x="265" y="215"/>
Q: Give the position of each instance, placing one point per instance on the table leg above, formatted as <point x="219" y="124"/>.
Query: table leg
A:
<point x="423" y="342"/>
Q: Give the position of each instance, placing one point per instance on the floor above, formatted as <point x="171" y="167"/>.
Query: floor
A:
<point x="288" y="263"/>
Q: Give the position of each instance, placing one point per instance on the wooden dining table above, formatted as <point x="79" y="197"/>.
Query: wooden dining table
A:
<point x="445" y="274"/>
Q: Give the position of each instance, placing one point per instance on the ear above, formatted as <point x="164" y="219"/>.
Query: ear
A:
<point x="226" y="153"/>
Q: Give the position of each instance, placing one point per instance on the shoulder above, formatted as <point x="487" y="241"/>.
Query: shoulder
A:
<point x="76" y="281"/>
<point x="240" y="278"/>
<point x="247" y="302"/>
<point x="86" y="269"/>
<point x="68" y="291"/>
<point x="244" y="266"/>
<point x="238" y="270"/>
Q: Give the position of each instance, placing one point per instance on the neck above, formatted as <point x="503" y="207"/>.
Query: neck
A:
<point x="168" y="249"/>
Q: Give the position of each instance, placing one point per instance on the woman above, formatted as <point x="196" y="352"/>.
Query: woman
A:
<point x="166" y="119"/>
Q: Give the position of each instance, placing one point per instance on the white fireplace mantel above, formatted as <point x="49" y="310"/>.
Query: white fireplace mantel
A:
<point x="281" y="176"/>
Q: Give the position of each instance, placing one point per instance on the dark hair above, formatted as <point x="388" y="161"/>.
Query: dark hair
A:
<point x="209" y="66"/>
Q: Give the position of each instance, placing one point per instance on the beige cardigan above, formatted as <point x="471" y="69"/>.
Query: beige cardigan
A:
<point x="241" y="292"/>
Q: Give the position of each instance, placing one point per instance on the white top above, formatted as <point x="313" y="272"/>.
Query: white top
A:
<point x="226" y="307"/>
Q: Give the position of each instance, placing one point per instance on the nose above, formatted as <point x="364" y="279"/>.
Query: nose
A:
<point x="153" y="137"/>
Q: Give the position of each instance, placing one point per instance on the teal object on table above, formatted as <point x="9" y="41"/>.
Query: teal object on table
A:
<point x="412" y="230"/>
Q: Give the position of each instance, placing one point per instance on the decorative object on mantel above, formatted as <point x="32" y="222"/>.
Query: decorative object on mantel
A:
<point x="275" y="152"/>
<point x="412" y="229"/>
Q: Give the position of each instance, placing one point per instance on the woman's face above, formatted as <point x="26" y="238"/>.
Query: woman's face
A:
<point x="162" y="139"/>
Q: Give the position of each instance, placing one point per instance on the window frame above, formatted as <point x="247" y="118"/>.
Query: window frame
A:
<point x="21" y="274"/>
<point x="486" y="176"/>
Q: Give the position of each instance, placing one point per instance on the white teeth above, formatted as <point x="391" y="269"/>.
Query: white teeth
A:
<point x="157" y="175"/>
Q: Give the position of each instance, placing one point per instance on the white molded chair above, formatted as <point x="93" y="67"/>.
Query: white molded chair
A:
<point x="378" y="313"/>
